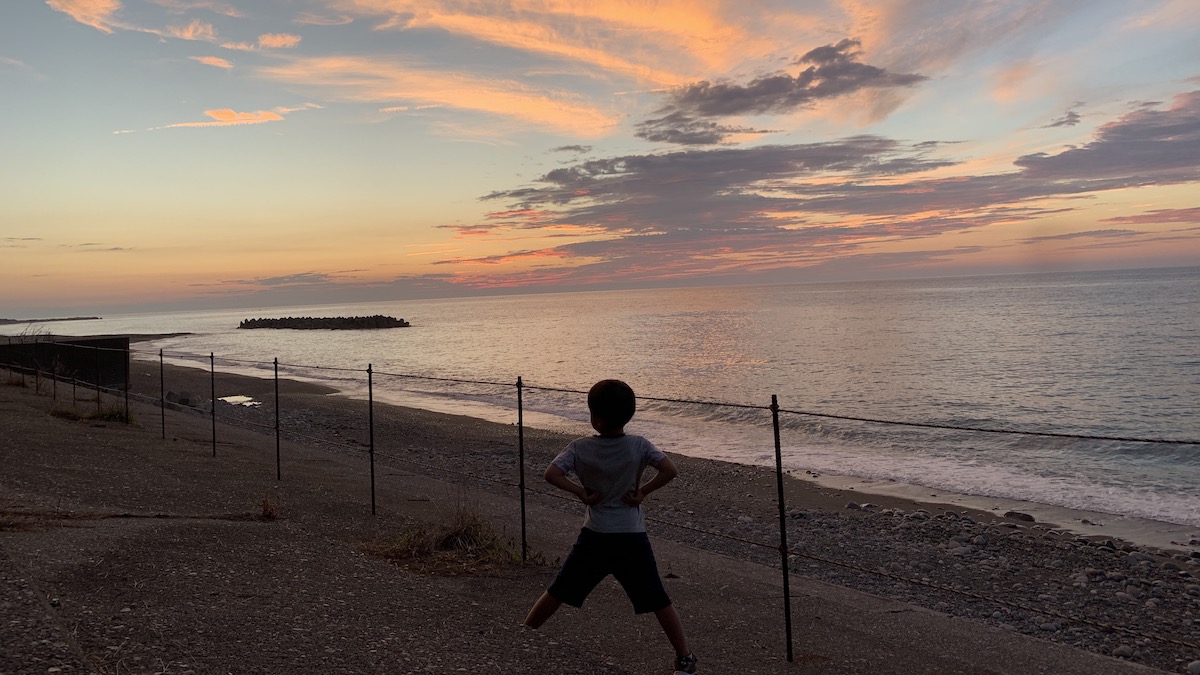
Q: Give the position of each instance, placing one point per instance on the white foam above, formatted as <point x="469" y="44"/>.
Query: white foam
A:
<point x="1141" y="531"/>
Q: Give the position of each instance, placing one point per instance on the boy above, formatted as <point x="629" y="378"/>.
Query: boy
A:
<point x="613" y="539"/>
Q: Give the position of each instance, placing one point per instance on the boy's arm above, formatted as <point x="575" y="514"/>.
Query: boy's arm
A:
<point x="666" y="473"/>
<point x="558" y="478"/>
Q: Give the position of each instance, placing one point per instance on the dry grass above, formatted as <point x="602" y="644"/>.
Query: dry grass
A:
<point x="106" y="413"/>
<point x="465" y="545"/>
<point x="19" y="522"/>
<point x="26" y="521"/>
<point x="271" y="510"/>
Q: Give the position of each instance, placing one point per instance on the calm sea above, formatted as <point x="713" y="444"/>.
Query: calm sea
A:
<point x="1095" y="353"/>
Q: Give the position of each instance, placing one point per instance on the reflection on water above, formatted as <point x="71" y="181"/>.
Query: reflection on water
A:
<point x="246" y="401"/>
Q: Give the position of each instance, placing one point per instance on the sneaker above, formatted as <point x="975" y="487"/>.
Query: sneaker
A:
<point x="685" y="665"/>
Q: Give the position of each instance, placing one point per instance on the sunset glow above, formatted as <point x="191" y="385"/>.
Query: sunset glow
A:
<point x="206" y="153"/>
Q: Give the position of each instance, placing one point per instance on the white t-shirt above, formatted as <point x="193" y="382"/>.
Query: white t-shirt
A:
<point x="610" y="466"/>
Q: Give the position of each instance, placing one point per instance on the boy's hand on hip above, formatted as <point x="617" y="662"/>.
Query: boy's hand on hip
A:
<point x="633" y="498"/>
<point x="591" y="498"/>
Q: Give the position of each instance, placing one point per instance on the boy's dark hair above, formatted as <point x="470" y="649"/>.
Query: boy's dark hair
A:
<point x="612" y="401"/>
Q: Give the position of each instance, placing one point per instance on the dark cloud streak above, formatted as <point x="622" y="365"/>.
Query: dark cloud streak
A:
<point x="832" y="71"/>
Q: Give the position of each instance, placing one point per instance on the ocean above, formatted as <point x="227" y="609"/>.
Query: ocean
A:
<point x="1114" y="354"/>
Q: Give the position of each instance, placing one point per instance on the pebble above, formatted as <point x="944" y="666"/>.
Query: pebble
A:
<point x="1194" y="668"/>
<point x="1123" y="652"/>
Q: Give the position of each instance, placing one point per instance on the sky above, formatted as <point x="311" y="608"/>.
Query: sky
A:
<point x="234" y="153"/>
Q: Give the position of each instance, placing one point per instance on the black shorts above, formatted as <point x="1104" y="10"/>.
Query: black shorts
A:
<point x="625" y="555"/>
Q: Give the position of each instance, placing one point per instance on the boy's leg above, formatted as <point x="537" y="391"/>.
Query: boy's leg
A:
<point x="668" y="618"/>
<point x="543" y="609"/>
<point x="638" y="575"/>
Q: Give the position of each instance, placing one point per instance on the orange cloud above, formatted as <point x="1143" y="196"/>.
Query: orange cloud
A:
<point x="265" y="41"/>
<point x="665" y="43"/>
<point x="99" y="14"/>
<point x="278" y="40"/>
<point x="543" y="39"/>
<point x="225" y="117"/>
<point x="1011" y="81"/>
<point x="211" y="5"/>
<point x="212" y="61"/>
<point x="381" y="81"/>
<point x="312" y="18"/>
<point x="196" y="30"/>
<point x="284" y="110"/>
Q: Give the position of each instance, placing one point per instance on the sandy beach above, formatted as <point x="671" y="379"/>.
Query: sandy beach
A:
<point x="124" y="551"/>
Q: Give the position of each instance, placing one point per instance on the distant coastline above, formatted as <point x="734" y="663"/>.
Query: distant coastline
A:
<point x="8" y="322"/>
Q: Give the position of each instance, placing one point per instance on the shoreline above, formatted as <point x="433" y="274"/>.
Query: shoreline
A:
<point x="972" y="569"/>
<point x="1093" y="525"/>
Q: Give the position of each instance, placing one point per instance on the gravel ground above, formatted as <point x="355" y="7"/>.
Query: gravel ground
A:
<point x="109" y="570"/>
<point x="1109" y="597"/>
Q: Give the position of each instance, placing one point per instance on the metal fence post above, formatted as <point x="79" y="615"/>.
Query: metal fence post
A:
<point x="783" y="545"/>
<point x="212" y="380"/>
<point x="371" y="429"/>
<point x="521" y="463"/>
<point x="278" y="471"/>
<point x="162" y="392"/>
<point x="97" y="350"/>
<point x="126" y="385"/>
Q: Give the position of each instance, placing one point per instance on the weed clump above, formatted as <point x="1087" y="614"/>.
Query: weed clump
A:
<point x="464" y="545"/>
<point x="271" y="510"/>
<point x="106" y="413"/>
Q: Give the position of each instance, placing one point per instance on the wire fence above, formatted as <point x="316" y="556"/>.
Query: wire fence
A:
<point x="119" y="401"/>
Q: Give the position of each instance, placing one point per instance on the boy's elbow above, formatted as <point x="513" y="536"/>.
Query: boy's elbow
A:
<point x="667" y="469"/>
